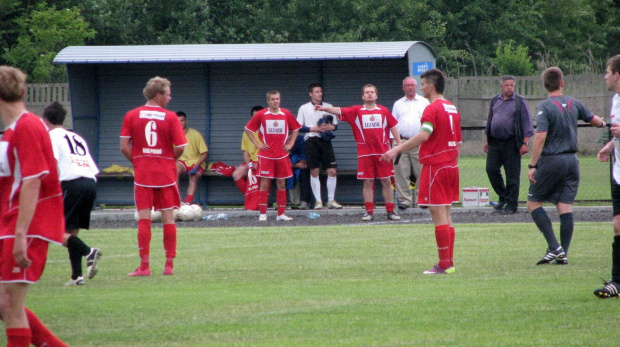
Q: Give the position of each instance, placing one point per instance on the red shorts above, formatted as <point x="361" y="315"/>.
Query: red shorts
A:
<point x="200" y="170"/>
<point x="274" y="168"/>
<point x="439" y="185"/>
<point x="371" y="167"/>
<point x="37" y="253"/>
<point x="163" y="198"/>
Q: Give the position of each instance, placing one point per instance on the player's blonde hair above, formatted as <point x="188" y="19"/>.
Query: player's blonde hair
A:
<point x="12" y="83"/>
<point x="370" y="86"/>
<point x="272" y="92"/>
<point x="155" y="85"/>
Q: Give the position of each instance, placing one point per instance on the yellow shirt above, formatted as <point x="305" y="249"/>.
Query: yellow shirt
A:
<point x="248" y="146"/>
<point x="195" y="147"/>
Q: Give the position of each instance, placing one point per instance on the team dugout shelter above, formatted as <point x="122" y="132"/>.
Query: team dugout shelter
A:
<point x="218" y="84"/>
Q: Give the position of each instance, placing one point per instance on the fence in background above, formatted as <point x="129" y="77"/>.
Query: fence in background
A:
<point x="472" y="95"/>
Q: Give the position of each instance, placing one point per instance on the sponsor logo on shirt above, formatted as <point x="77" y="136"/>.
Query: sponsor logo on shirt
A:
<point x="151" y="150"/>
<point x="275" y="127"/>
<point x="450" y="108"/>
<point x="451" y="144"/>
<point x="149" y="114"/>
<point x="371" y="121"/>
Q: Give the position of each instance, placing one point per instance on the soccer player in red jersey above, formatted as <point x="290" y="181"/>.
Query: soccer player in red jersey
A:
<point x="31" y="210"/>
<point x="371" y="125"/>
<point x="440" y="142"/>
<point x="152" y="139"/>
<point x="278" y="130"/>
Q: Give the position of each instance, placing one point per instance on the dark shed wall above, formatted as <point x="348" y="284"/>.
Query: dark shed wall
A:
<point x="220" y="95"/>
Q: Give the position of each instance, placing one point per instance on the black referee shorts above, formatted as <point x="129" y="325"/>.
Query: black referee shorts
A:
<point x="557" y="179"/>
<point x="78" y="197"/>
<point x="320" y="153"/>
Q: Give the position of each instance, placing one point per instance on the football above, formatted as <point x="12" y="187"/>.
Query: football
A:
<point x="197" y="211"/>
<point x="156" y="216"/>
<point x="135" y="215"/>
<point x="186" y="213"/>
<point x="175" y="214"/>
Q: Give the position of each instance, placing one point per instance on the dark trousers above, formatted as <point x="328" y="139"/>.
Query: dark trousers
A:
<point x="504" y="153"/>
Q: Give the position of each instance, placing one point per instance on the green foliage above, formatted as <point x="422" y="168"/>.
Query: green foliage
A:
<point x="42" y="35"/>
<point x="511" y="60"/>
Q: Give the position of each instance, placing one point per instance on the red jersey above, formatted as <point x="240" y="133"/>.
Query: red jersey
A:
<point x="273" y="130"/>
<point x="444" y="121"/>
<point x="154" y="132"/>
<point x="371" y="128"/>
<point x="26" y="152"/>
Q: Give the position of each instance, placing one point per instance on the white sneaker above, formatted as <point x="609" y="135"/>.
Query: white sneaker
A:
<point x="318" y="205"/>
<point x="75" y="282"/>
<point x="334" y="204"/>
<point x="283" y="218"/>
<point x="262" y="218"/>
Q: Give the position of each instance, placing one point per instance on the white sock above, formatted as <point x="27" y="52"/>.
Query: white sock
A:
<point x="331" y="187"/>
<point x="315" y="183"/>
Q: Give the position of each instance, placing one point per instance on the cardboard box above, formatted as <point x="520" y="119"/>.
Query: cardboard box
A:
<point x="475" y="197"/>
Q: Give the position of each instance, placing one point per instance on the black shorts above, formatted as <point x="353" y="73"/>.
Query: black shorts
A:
<point x="320" y="153"/>
<point x="78" y="197"/>
<point x="615" y="197"/>
<point x="557" y="179"/>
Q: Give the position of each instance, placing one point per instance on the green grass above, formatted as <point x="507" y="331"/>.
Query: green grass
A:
<point x="335" y="286"/>
<point x="594" y="184"/>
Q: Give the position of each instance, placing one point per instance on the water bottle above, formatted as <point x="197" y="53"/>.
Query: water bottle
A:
<point x="313" y="215"/>
<point x="219" y="216"/>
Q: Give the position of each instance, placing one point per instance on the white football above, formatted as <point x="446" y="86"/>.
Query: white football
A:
<point x="186" y="213"/>
<point x="197" y="211"/>
<point x="175" y="214"/>
<point x="135" y="215"/>
<point x="156" y="216"/>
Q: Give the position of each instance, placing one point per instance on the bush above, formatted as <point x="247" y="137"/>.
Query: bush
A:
<point x="512" y="60"/>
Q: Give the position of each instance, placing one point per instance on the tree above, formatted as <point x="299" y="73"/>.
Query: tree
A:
<point x="42" y="35"/>
<point x="511" y="60"/>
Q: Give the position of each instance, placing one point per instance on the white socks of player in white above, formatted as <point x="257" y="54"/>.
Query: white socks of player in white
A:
<point x="315" y="184"/>
<point x="331" y="188"/>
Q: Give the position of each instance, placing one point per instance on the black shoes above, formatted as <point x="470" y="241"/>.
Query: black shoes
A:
<point x="552" y="255"/>
<point x="499" y="206"/>
<point x="610" y="290"/>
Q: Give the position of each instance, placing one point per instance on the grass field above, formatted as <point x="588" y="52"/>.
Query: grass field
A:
<point x="335" y="286"/>
<point x="594" y="184"/>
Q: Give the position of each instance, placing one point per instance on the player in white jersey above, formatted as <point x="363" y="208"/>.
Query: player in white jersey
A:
<point x="612" y="79"/>
<point x="77" y="174"/>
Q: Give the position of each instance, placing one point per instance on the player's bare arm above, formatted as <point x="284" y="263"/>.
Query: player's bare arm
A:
<point x="396" y="135"/>
<point x="28" y="197"/>
<point x="537" y="147"/>
<point x="291" y="140"/>
<point x="615" y="130"/>
<point x="257" y="144"/>
<point x="126" y="148"/>
<point x="597" y="122"/>
<point x="604" y="153"/>
<point x="332" y="110"/>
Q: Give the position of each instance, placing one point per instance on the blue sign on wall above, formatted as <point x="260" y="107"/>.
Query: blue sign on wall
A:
<point x="420" y="67"/>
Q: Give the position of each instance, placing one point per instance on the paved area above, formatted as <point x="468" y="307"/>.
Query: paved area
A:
<point x="128" y="214"/>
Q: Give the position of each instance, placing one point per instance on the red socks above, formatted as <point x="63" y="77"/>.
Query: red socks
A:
<point x="170" y="240"/>
<point x="18" y="337"/>
<point x="262" y="201"/>
<point x="452" y="235"/>
<point x="281" y="201"/>
<point x="389" y="207"/>
<point x="41" y="335"/>
<point x="241" y="185"/>
<point x="442" y="235"/>
<point x="370" y="207"/>
<point x="144" y="242"/>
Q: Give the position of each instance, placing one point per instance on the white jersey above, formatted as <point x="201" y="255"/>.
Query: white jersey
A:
<point x="308" y="117"/>
<point x="615" y="119"/>
<point x="72" y="155"/>
<point x="408" y="113"/>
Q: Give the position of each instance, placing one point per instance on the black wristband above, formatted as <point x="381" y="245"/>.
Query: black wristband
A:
<point x="530" y="166"/>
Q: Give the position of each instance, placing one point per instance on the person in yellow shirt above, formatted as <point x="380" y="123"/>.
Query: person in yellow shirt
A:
<point x="249" y="156"/>
<point x="193" y="160"/>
